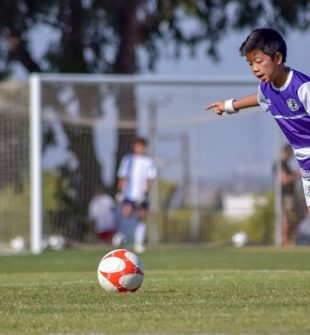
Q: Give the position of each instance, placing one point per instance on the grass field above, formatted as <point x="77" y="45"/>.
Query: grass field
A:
<point x="186" y="290"/>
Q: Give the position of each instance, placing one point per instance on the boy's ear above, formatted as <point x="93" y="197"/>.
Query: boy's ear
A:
<point x="278" y="58"/>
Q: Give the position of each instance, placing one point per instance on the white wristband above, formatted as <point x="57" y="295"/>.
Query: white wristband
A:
<point x="229" y="107"/>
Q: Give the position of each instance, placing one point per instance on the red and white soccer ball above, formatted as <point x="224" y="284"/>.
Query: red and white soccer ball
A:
<point x="120" y="271"/>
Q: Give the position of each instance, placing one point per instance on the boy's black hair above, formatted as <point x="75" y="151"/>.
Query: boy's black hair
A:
<point x="267" y="40"/>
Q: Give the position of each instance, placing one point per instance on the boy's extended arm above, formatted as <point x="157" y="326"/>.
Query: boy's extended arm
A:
<point x="233" y="106"/>
<point x="246" y="102"/>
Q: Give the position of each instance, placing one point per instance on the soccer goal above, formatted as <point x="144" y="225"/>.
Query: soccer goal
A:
<point x="210" y="169"/>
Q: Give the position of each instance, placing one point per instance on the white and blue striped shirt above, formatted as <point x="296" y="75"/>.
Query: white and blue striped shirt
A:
<point x="137" y="170"/>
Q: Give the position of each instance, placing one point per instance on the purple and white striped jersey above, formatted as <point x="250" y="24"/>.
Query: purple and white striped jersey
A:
<point x="290" y="106"/>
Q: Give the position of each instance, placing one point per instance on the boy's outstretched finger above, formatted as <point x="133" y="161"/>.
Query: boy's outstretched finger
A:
<point x="214" y="105"/>
<point x="216" y="108"/>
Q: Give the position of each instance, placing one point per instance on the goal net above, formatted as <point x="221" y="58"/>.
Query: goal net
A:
<point x="216" y="175"/>
<point x="14" y="164"/>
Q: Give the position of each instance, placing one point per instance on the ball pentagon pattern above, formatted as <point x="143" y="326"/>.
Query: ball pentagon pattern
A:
<point x="120" y="271"/>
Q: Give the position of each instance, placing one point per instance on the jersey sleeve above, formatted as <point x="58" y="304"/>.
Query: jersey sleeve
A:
<point x="304" y="96"/>
<point x="123" y="167"/>
<point x="262" y="100"/>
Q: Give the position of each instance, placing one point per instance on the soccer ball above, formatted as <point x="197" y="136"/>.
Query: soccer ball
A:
<point x="18" y="243"/>
<point x="120" y="271"/>
<point x="56" y="242"/>
<point x="239" y="239"/>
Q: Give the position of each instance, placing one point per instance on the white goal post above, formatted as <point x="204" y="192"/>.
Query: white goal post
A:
<point x="36" y="164"/>
<point x="188" y="121"/>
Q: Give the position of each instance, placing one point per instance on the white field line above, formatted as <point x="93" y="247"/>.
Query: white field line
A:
<point x="58" y="283"/>
<point x="149" y="277"/>
<point x="149" y="333"/>
<point x="211" y="271"/>
<point x="263" y="271"/>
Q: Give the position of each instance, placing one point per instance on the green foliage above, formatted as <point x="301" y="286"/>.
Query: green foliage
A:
<point x="53" y="185"/>
<point x="166" y="191"/>
<point x="102" y="36"/>
<point x="9" y="198"/>
<point x="14" y="212"/>
<point x="215" y="227"/>
<point x="15" y="206"/>
<point x="174" y="223"/>
<point x="177" y="225"/>
<point x="259" y="226"/>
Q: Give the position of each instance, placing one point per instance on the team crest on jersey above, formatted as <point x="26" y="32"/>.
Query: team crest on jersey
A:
<point x="292" y="105"/>
<point x="268" y="101"/>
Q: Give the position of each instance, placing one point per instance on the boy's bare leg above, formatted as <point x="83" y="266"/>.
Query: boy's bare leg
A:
<point x="140" y="231"/>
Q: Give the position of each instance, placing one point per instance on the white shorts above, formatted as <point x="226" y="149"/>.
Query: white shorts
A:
<point x="306" y="184"/>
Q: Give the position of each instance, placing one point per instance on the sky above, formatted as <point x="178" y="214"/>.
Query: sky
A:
<point x="231" y="62"/>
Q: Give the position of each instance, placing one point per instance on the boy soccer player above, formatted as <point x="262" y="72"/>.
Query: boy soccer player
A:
<point x="136" y="173"/>
<point x="282" y="91"/>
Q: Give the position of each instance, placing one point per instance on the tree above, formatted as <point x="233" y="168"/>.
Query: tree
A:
<point x="101" y="36"/>
<point x="110" y="32"/>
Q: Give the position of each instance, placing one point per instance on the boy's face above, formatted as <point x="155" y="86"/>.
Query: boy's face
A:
<point x="138" y="148"/>
<point x="263" y="66"/>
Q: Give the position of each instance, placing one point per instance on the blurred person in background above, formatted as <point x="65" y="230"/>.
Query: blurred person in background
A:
<point x="101" y="212"/>
<point x="135" y="176"/>
<point x="289" y="197"/>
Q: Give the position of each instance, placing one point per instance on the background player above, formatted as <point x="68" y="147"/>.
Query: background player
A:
<point x="288" y="179"/>
<point x="282" y="91"/>
<point x="101" y="213"/>
<point x="136" y="173"/>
